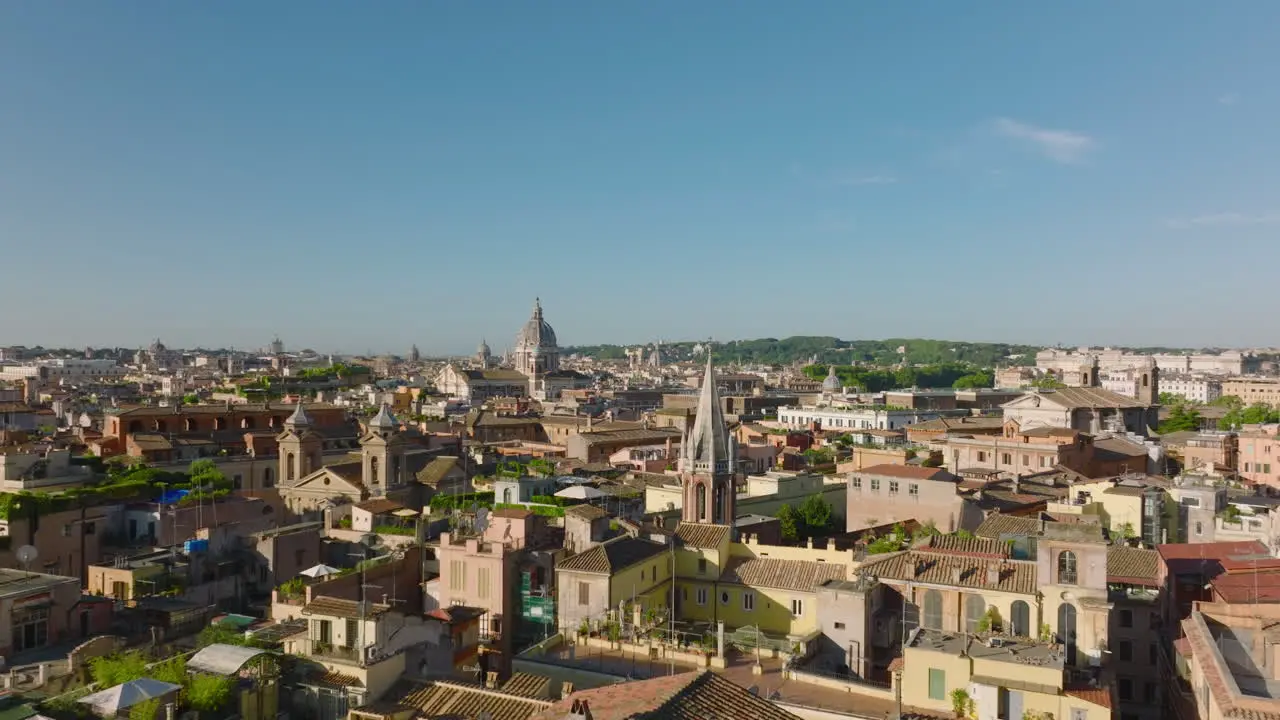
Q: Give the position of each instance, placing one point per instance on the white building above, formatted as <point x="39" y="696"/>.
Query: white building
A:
<point x="1230" y="362"/>
<point x="1196" y="388"/>
<point x="52" y="370"/>
<point x="864" y="417"/>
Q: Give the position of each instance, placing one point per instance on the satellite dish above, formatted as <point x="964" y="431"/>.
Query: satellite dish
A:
<point x="482" y="519"/>
<point x="27" y="554"/>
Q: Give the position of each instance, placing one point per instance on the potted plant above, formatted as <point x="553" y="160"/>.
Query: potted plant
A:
<point x="961" y="704"/>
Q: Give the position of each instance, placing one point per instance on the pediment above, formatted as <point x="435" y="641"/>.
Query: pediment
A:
<point x="327" y="481"/>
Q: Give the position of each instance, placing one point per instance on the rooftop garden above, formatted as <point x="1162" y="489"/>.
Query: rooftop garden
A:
<point x="125" y="481"/>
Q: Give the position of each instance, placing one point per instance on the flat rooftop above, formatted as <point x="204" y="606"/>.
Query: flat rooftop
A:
<point x="1017" y="651"/>
<point x="16" y="583"/>
<point x="1233" y="643"/>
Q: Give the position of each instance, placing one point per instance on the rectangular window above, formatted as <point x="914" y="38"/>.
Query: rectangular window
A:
<point x="1125" y="686"/>
<point x="1151" y="654"/>
<point x="982" y="457"/>
<point x="457" y="575"/>
<point x="702" y="566"/>
<point x="1149" y="692"/>
<point x="702" y="596"/>
<point x="875" y="485"/>
<point x="937" y="684"/>
<point x="482" y="582"/>
<point x="913" y="490"/>
<point x="1079" y="714"/>
<point x="748" y="601"/>
<point x="839" y="626"/>
<point x="1044" y="461"/>
<point x="893" y="487"/>
<point x="1126" y="651"/>
<point x="584" y="594"/>
<point x="857" y="483"/>
<point x="1006" y="459"/>
<point x="1026" y="460"/>
<point x="797" y="607"/>
<point x="1266" y="467"/>
<point x="1126" y="618"/>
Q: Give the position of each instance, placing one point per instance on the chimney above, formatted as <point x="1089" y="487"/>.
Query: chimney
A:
<point x="491" y="680"/>
<point x="579" y="711"/>
<point x="1017" y="483"/>
<point x="589" y="422"/>
<point x="993" y="575"/>
<point x="956" y="575"/>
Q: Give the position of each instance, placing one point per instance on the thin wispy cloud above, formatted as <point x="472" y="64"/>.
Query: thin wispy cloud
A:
<point x="1226" y="219"/>
<point x="1228" y="99"/>
<point x="1061" y="146"/>
<point x="867" y="180"/>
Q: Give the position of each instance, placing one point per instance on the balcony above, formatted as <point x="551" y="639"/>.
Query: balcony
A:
<point x="329" y="651"/>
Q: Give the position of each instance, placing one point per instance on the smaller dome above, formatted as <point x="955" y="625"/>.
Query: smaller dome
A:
<point x="831" y="383"/>
<point x="299" y="418"/>
<point x="483" y="350"/>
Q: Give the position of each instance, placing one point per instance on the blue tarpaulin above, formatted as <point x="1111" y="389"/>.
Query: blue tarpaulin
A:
<point x="172" y="496"/>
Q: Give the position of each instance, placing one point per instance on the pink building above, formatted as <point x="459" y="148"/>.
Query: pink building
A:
<point x="484" y="571"/>
<point x="1259" y="454"/>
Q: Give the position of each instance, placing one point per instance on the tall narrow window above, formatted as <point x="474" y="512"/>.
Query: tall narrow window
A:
<point x="1066" y="568"/>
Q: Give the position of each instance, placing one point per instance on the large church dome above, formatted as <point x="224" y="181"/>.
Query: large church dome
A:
<point x="536" y="333"/>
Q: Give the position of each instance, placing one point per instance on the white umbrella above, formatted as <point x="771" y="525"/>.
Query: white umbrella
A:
<point x="581" y="492"/>
<point x="320" y="571"/>
<point x="112" y="700"/>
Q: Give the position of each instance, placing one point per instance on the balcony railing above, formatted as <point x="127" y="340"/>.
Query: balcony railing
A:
<point x="329" y="651"/>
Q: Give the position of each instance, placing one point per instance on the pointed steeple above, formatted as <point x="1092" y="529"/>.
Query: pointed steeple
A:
<point x="299" y="418"/>
<point x="707" y="447"/>
<point x="384" y="421"/>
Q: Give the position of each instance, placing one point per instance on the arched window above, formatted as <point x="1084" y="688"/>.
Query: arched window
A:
<point x="932" y="610"/>
<point x="717" y="512"/>
<point x="1146" y="380"/>
<point x="289" y="469"/>
<point x="1020" y="620"/>
<point x="506" y="496"/>
<point x="191" y="425"/>
<point x="700" y="494"/>
<point x="393" y="478"/>
<point x="1067" y="630"/>
<point x="220" y="423"/>
<point x="160" y="426"/>
<point x="267" y="478"/>
<point x="974" y="608"/>
<point x="373" y="471"/>
<point x="1066" y="568"/>
<point x="247" y="423"/>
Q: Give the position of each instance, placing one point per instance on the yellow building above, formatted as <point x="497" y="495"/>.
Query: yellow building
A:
<point x="614" y="576"/>
<point x="1001" y="677"/>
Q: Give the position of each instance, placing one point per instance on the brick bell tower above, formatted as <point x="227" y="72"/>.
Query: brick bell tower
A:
<point x="709" y="460"/>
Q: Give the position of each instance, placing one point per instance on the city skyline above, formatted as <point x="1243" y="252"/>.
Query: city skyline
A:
<point x="1084" y="174"/>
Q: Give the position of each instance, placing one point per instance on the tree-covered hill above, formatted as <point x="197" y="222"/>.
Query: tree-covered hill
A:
<point x="772" y="351"/>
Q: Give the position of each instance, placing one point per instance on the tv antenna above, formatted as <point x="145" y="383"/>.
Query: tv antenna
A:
<point x="26" y="555"/>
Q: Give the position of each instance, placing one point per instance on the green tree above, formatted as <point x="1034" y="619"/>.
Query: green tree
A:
<point x="974" y="380"/>
<point x="207" y="693"/>
<point x="815" y="513"/>
<point x="191" y="399"/>
<point x="1168" y="398"/>
<point x="111" y="670"/>
<point x="788" y="522"/>
<point x="145" y="710"/>
<point x="1181" y="418"/>
<point x="1255" y="414"/>
<point x="1048" y="382"/>
<point x="173" y="670"/>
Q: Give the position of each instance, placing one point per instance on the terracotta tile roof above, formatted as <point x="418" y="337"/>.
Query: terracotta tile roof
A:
<point x="334" y="680"/>
<point x="1100" y="696"/>
<point x="462" y="700"/>
<point x="961" y="424"/>
<point x="380" y="506"/>
<point x="939" y="568"/>
<point x="1082" y="397"/>
<point x="971" y="546"/>
<point x="1133" y="566"/>
<point x="632" y="436"/>
<point x="586" y="512"/>
<point x="767" y="572"/>
<point x="527" y="685"/>
<point x="702" y="535"/>
<point x="436" y="470"/>
<point x="338" y="607"/>
<point x="998" y="524"/>
<point x="612" y="556"/>
<point x="694" y="695"/>
<point x="908" y="472"/>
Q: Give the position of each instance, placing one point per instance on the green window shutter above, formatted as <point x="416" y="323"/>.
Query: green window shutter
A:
<point x="937" y="684"/>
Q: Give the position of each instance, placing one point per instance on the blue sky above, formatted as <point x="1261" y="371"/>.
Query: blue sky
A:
<point x="362" y="176"/>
